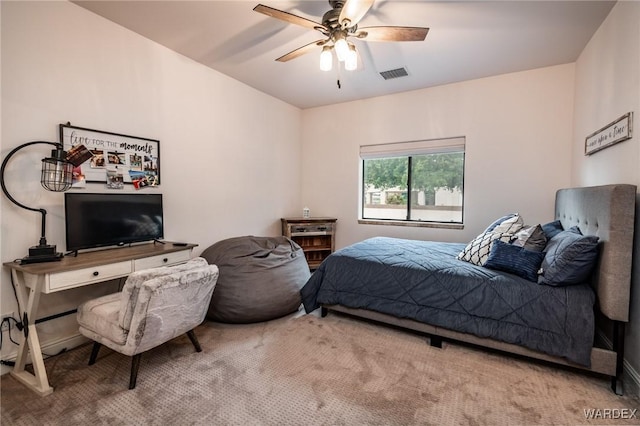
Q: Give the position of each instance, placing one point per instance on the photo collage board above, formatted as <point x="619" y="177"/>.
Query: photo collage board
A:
<point x="112" y="158"/>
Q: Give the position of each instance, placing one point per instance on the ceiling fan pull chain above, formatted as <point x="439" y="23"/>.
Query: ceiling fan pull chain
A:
<point x="339" y="85"/>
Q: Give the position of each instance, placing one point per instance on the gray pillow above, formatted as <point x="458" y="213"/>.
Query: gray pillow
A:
<point x="552" y="229"/>
<point x="569" y="258"/>
<point x="531" y="238"/>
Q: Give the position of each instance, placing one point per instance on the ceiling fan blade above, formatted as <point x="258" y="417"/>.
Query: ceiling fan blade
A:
<point x="301" y="50"/>
<point x="392" y="33"/>
<point x="289" y="17"/>
<point x="353" y="11"/>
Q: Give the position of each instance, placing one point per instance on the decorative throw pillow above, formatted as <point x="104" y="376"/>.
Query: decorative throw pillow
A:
<point x="515" y="260"/>
<point x="477" y="251"/>
<point x="552" y="229"/>
<point x="569" y="258"/>
<point x="510" y="225"/>
<point x="575" y="229"/>
<point x="531" y="238"/>
<point x="497" y="222"/>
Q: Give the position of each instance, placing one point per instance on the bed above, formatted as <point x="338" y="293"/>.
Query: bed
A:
<point x="428" y="287"/>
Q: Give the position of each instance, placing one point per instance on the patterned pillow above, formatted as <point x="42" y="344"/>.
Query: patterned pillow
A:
<point x="531" y="238"/>
<point x="477" y="251"/>
<point x="515" y="260"/>
<point x="503" y="229"/>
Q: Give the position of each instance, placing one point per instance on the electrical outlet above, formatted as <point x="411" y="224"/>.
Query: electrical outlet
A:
<point x="7" y="325"/>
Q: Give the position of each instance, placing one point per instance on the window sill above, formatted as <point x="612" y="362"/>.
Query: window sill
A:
<point x="414" y="224"/>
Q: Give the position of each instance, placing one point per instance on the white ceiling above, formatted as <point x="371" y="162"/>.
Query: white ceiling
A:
<point x="466" y="40"/>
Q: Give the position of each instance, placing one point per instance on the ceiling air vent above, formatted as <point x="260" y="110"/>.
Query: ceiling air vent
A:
<point x="398" y="72"/>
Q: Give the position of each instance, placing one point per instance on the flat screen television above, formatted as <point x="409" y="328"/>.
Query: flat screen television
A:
<point x="109" y="219"/>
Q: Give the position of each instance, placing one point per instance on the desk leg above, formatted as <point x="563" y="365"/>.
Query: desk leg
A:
<point x="28" y="299"/>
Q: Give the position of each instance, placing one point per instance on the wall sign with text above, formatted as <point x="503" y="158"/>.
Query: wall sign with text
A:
<point x="115" y="159"/>
<point x="617" y="131"/>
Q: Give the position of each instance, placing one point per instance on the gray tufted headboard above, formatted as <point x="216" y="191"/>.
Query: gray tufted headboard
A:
<point x="607" y="212"/>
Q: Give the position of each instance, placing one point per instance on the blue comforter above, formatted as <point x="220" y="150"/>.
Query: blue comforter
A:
<point x="424" y="281"/>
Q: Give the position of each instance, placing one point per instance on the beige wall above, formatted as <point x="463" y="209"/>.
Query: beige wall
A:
<point x="518" y="131"/>
<point x="222" y="141"/>
<point x="607" y="87"/>
<point x="228" y="152"/>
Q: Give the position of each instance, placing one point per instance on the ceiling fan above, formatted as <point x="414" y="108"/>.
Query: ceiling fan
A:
<point x="338" y="25"/>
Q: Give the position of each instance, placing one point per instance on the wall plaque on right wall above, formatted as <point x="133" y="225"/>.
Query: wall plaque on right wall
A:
<point x="614" y="132"/>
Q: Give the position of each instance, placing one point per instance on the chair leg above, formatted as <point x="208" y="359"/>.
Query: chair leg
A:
<point x="135" y="364"/>
<point x="94" y="353"/>
<point x="194" y="340"/>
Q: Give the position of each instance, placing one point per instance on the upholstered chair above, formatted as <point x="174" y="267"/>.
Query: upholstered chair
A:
<point x="154" y="306"/>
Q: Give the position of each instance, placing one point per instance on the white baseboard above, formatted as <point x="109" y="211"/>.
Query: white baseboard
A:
<point x="51" y="348"/>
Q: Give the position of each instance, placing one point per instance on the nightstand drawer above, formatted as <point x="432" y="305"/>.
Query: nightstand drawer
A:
<point x="162" y="260"/>
<point x="311" y="229"/>
<point x="80" y="277"/>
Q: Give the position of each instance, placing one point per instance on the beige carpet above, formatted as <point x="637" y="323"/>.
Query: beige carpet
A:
<point x="305" y="370"/>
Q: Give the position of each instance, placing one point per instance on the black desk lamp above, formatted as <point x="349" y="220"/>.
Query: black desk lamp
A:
<point x="57" y="173"/>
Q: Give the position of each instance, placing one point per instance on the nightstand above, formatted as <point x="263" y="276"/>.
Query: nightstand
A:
<point x="316" y="236"/>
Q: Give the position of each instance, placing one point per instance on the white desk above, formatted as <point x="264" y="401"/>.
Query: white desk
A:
<point x="87" y="268"/>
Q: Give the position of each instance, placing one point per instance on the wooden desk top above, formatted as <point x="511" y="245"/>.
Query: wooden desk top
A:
<point x="99" y="257"/>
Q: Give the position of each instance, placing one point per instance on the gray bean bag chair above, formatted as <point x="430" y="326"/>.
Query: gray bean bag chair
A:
<point x="260" y="278"/>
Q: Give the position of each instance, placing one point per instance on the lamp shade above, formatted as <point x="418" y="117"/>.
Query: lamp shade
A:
<point x="351" y="61"/>
<point x="326" y="59"/>
<point x="57" y="172"/>
<point x="342" y="48"/>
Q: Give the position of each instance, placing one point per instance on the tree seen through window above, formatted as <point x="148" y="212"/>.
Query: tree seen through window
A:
<point x="425" y="187"/>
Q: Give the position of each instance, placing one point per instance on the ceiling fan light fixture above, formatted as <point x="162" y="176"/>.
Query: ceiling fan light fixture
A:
<point x="326" y="59"/>
<point x="342" y="47"/>
<point x="351" y="61"/>
<point x="339" y="24"/>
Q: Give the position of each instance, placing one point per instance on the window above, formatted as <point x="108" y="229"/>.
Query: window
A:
<point x="419" y="181"/>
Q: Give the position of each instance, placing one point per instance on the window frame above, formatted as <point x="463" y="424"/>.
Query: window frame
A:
<point x="408" y="150"/>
